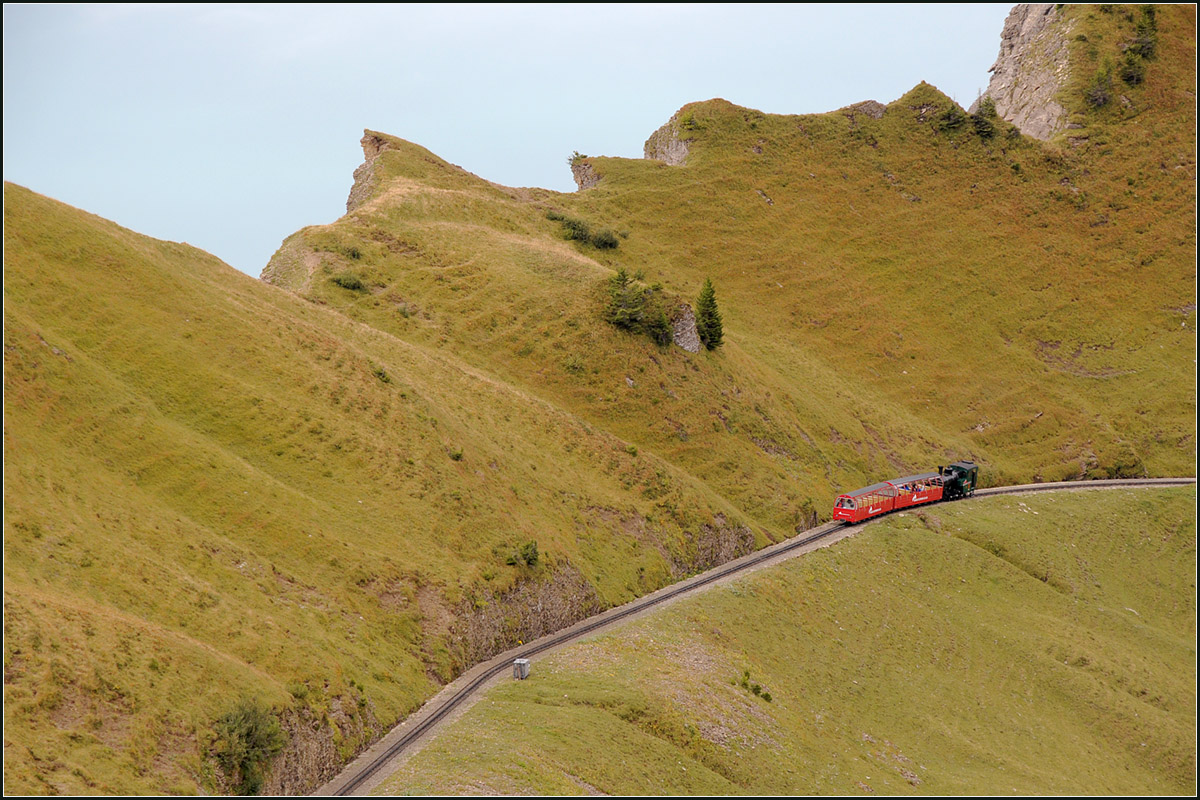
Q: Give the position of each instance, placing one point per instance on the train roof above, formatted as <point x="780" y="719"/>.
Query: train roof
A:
<point x="911" y="478"/>
<point x="874" y="487"/>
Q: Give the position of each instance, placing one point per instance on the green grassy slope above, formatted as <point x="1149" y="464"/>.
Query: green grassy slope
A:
<point x="214" y="488"/>
<point x="1008" y="645"/>
<point x="895" y="291"/>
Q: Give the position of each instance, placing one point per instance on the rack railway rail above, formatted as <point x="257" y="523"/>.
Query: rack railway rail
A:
<point x="364" y="771"/>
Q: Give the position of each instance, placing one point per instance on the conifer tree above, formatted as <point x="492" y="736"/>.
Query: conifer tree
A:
<point x="626" y="301"/>
<point x="708" y="318"/>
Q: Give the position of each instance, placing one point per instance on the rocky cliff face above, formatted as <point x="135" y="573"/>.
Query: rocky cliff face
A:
<point x="1031" y="69"/>
<point x="665" y="145"/>
<point x="584" y="174"/>
<point x="364" y="176"/>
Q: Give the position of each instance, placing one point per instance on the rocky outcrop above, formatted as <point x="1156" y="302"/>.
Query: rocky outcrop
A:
<point x="1031" y="70"/>
<point x="870" y="108"/>
<point x="583" y="172"/>
<point x="683" y="329"/>
<point x="311" y="755"/>
<point x="719" y="543"/>
<point x="292" y="265"/>
<point x="665" y="145"/>
<point x="490" y="622"/>
<point x="364" y="177"/>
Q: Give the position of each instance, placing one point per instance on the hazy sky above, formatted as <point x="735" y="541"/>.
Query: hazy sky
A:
<point x="232" y="126"/>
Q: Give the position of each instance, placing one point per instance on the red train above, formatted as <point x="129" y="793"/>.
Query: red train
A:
<point x="948" y="483"/>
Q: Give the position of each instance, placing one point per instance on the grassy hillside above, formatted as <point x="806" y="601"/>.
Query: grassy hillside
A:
<point x="215" y="489"/>
<point x="1007" y="645"/>
<point x="895" y="291"/>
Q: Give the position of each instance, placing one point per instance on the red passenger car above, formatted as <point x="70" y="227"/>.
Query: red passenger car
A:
<point x="880" y="498"/>
<point x="868" y="502"/>
<point x="917" y="489"/>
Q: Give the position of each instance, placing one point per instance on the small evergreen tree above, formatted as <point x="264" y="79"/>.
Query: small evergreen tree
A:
<point x="983" y="118"/>
<point x="708" y="318"/>
<point x="626" y="302"/>
<point x="1133" y="69"/>
<point x="658" y="327"/>
<point x="1100" y="91"/>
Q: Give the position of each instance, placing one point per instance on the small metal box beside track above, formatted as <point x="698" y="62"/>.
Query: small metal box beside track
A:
<point x="521" y="668"/>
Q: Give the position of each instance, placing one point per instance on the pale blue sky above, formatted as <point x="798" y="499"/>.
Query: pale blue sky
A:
<point x="231" y="126"/>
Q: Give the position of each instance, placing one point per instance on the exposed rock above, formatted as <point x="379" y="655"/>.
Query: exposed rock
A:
<point x="683" y="329"/>
<point x="869" y="108"/>
<point x="493" y="622"/>
<point x="364" y="176"/>
<point x="719" y="543"/>
<point x="584" y="174"/>
<point x="311" y="756"/>
<point x="1030" y="70"/>
<point x="292" y="265"/>
<point x="665" y="145"/>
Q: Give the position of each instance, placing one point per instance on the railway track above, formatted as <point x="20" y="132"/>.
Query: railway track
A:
<point x="359" y="774"/>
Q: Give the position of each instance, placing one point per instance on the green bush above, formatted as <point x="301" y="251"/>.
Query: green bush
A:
<point x="577" y="229"/>
<point x="1143" y="46"/>
<point x="526" y="554"/>
<point x="951" y="119"/>
<point x="605" y="240"/>
<point x="247" y="738"/>
<point x="348" y="280"/>
<point x="658" y="328"/>
<point x="574" y="364"/>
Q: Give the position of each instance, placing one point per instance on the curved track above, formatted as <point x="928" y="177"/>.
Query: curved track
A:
<point x="357" y="774"/>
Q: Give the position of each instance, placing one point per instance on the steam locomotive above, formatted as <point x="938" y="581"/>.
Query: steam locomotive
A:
<point x="948" y="483"/>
